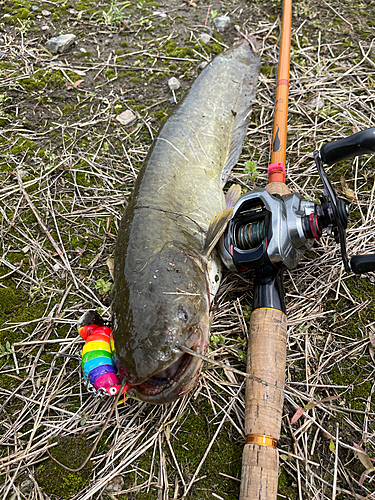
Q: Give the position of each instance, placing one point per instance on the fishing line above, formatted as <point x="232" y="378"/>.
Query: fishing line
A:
<point x="227" y="367"/>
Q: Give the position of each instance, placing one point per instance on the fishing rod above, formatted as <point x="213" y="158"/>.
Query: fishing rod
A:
<point x="270" y="230"/>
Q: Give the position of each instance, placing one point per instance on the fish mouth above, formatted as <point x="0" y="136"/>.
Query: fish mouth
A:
<point x="165" y="378"/>
<point x="171" y="383"/>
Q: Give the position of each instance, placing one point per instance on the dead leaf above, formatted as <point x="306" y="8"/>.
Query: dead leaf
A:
<point x="307" y="407"/>
<point x="346" y="191"/>
<point x="363" y="457"/>
<point x="298" y="414"/>
<point x="111" y="266"/>
<point x="363" y="477"/>
<point x="371" y="351"/>
<point x="349" y="193"/>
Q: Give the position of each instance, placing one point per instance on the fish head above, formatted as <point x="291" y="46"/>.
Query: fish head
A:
<point x="164" y="306"/>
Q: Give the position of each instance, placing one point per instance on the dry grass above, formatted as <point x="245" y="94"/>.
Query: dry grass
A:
<point x="331" y="315"/>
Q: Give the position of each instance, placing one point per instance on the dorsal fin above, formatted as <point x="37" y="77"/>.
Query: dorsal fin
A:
<point x="233" y="195"/>
<point x="245" y="82"/>
<point x="215" y="230"/>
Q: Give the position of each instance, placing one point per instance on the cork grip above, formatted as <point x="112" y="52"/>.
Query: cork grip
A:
<point x="263" y="404"/>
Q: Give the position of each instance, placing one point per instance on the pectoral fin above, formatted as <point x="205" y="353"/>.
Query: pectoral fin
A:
<point x="233" y="195"/>
<point x="215" y="230"/>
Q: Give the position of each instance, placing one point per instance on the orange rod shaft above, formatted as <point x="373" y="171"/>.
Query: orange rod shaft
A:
<point x="279" y="135"/>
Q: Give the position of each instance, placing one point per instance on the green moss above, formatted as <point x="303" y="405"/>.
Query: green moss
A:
<point x="139" y="107"/>
<point x="216" y="48"/>
<point x="135" y="79"/>
<point x="285" y="485"/>
<point x="13" y="15"/>
<point x="267" y="70"/>
<point x="8" y="19"/>
<point x="110" y="74"/>
<point x="181" y="52"/>
<point x="10" y="302"/>
<point x="119" y="107"/>
<point x="194" y="436"/>
<point x="82" y="179"/>
<point x="160" y="115"/>
<point x="169" y="46"/>
<point x="16" y="306"/>
<point x="47" y="78"/>
<point x="24" y="146"/>
<point x="54" y="479"/>
<point x="68" y="109"/>
<point x="5" y="118"/>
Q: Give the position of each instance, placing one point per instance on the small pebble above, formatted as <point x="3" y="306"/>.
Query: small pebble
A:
<point x="61" y="43"/>
<point x="126" y="117"/>
<point x="222" y="23"/>
<point x="203" y="65"/>
<point x="26" y="486"/>
<point x="56" y="267"/>
<point x="46" y="13"/>
<point x="205" y="37"/>
<point x="115" y="485"/>
<point x="160" y="13"/>
<point x="174" y="83"/>
<point x="316" y="103"/>
<point x="45" y="28"/>
<point x="34" y="8"/>
<point x="83" y="50"/>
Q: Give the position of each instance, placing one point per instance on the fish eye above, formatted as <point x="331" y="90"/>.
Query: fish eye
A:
<point x="183" y="316"/>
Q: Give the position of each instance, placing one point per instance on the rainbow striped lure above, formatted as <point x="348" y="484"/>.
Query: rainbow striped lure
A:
<point x="98" y="360"/>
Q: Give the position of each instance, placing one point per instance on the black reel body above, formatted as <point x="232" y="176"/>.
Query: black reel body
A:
<point x="272" y="230"/>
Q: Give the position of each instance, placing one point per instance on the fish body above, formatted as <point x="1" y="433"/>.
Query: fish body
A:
<point x="166" y="273"/>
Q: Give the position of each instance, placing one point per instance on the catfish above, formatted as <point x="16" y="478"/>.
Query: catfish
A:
<point x="166" y="267"/>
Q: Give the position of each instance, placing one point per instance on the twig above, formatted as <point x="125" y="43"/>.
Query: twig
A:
<point x="334" y="487"/>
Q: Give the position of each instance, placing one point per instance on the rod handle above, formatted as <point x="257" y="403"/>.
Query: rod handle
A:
<point x="264" y="404"/>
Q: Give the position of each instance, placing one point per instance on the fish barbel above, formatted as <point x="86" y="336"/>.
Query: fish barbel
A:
<point x="167" y="270"/>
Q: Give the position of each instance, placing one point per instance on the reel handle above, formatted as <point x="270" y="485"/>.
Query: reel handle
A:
<point x="363" y="263"/>
<point x="361" y="143"/>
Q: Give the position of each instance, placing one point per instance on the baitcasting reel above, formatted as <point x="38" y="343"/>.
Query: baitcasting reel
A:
<point x="276" y="230"/>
